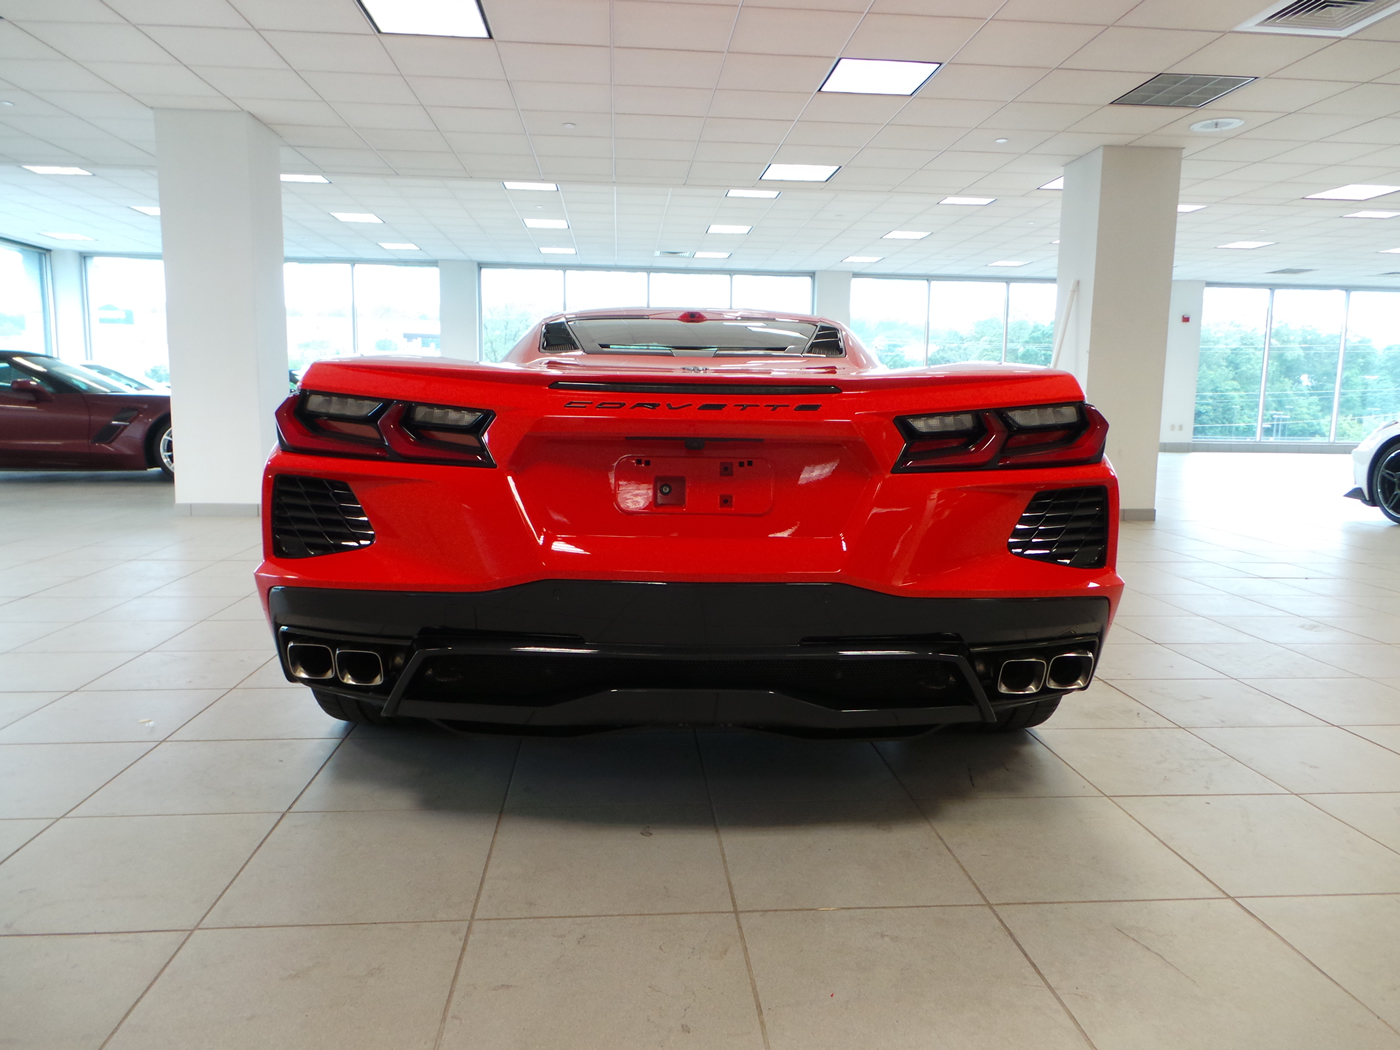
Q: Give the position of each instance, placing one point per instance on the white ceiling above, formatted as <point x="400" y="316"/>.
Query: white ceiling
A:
<point x="674" y="102"/>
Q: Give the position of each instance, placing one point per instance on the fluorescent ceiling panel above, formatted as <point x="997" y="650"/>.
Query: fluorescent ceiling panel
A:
<point x="1356" y="191"/>
<point x="1371" y="215"/>
<point x="145" y="209"/>
<point x="862" y="258"/>
<point x="1246" y="245"/>
<point x="1186" y="90"/>
<point x="720" y="227"/>
<point x="538" y="187"/>
<point x="905" y="235"/>
<point x="766" y="195"/>
<point x="558" y="251"/>
<point x="547" y="224"/>
<point x="971" y="202"/>
<point x="1055" y="184"/>
<point x="427" y="17"/>
<point x="54" y="169"/>
<point x="1384" y="251"/>
<point x="868" y="76"/>
<point x="356" y="216"/>
<point x="291" y="176"/>
<point x="1006" y="262"/>
<point x="712" y="255"/>
<point x="799" y="172"/>
<point x="399" y="246"/>
<point x="1185" y="208"/>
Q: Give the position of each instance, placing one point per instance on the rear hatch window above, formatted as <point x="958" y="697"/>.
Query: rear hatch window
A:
<point x="648" y="336"/>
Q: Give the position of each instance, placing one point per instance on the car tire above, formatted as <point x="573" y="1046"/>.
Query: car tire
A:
<point x="1024" y="716"/>
<point x="162" y="452"/>
<point x="350" y="710"/>
<point x="1385" y="482"/>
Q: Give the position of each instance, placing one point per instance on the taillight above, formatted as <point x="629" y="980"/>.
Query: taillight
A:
<point x="1034" y="436"/>
<point x="342" y="425"/>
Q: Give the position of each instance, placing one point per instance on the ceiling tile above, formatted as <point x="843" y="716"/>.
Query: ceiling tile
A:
<point x="1352" y="60"/>
<point x="257" y="83"/>
<point x="40" y="76"/>
<point x="642" y="66"/>
<point x="686" y="102"/>
<point x="361" y="87"/>
<point x="345" y="160"/>
<point x="1141" y="50"/>
<point x="551" y="21"/>
<point x="829" y="133"/>
<point x="384" y="115"/>
<point x="995" y="83"/>
<point x="324" y="16"/>
<point x="1033" y="44"/>
<point x="337" y="52"/>
<point x="776" y="73"/>
<point x="284" y="111"/>
<point x="907" y="136"/>
<point x="780" y="31"/>
<point x="1082" y="86"/>
<point x="563" y="63"/>
<point x="469" y="94"/>
<point x="58" y="11"/>
<point x="637" y="23"/>
<point x="729" y="129"/>
<point x="299" y="135"/>
<point x="87" y="42"/>
<point x="1221" y="15"/>
<point x="1383" y="132"/>
<point x="179" y="12"/>
<point x="140" y="79"/>
<point x="782" y="105"/>
<point x="430" y="56"/>
<point x="216" y="47"/>
<point x="579" y="99"/>
<point x="910" y="37"/>
<point x="476" y="120"/>
<point x="1040" y="116"/>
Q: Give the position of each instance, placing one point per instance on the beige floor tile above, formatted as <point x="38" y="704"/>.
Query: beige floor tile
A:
<point x="837" y="855"/>
<point x="1376" y="627"/>
<point x="47" y="780"/>
<point x="902" y="979"/>
<point x="246" y="608"/>
<point x="1103" y="706"/>
<point x="190" y="608"/>
<point x="1376" y="815"/>
<point x="146" y="715"/>
<point x="1226" y="606"/>
<point x="205" y="587"/>
<point x="341" y="987"/>
<point x="1255" y="660"/>
<point x="1373" y="659"/>
<point x="1288" y="630"/>
<point x="1311" y="759"/>
<point x="981" y="765"/>
<point x="221" y="635"/>
<point x="13" y="635"/>
<point x="1352" y="939"/>
<point x="1313" y="605"/>
<point x="15" y="833"/>
<point x="213" y="776"/>
<point x="41" y="672"/>
<point x="752" y="767"/>
<point x="660" y="765"/>
<point x="1217" y="702"/>
<point x="108" y="874"/>
<point x="58" y="993"/>
<point x="1149" y="661"/>
<point x="102" y="636"/>
<point x="262" y="714"/>
<point x="1343" y="701"/>
<point x="361" y="867"/>
<point x="403" y="769"/>
<point x="597" y="860"/>
<point x="222" y="670"/>
<point x="1164" y="975"/>
<point x="1152" y="762"/>
<point x="14" y="706"/>
<point x="29" y="610"/>
<point x="1179" y="629"/>
<point x="1268" y="844"/>
<point x="1061" y="849"/>
<point x="1134" y="603"/>
<point x="621" y="983"/>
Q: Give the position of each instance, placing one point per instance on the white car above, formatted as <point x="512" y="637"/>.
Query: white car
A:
<point x="1375" y="463"/>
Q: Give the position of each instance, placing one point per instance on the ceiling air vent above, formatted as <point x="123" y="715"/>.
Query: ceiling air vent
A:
<point x="1182" y="89"/>
<point x="1319" y="17"/>
<point x="1293" y="269"/>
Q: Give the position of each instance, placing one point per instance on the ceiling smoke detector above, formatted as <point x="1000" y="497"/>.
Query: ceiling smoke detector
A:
<point x="1218" y="124"/>
<point x="1182" y="89"/>
<point x="1335" y="18"/>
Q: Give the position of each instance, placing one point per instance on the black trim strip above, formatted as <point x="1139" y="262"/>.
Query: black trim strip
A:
<point x="757" y="389"/>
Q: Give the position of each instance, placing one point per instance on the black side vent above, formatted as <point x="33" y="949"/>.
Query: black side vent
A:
<point x="109" y="433"/>
<point x="557" y="337"/>
<point x="826" y="342"/>
<point x="1067" y="526"/>
<point x="312" y="516"/>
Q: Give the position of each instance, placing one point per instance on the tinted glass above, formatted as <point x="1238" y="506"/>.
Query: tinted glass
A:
<point x="681" y="338"/>
<point x="74" y="376"/>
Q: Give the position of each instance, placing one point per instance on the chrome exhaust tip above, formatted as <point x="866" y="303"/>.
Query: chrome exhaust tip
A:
<point x="1021" y="676"/>
<point x="359" y="667"/>
<point x="309" y="661"/>
<point x="1071" y="670"/>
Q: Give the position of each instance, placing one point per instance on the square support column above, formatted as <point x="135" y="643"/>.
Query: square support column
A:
<point x="226" y="317"/>
<point x="460" y="309"/>
<point x="1117" y="242"/>
<point x="1183" y="364"/>
<point x="831" y="295"/>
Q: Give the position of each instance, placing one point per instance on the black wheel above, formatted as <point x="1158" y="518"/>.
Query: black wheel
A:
<point x="350" y="710"/>
<point x="162" y="452"/>
<point x="1385" y="483"/>
<point x="1023" y="717"/>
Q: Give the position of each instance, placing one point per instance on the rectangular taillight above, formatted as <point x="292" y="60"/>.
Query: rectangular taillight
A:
<point x="987" y="439"/>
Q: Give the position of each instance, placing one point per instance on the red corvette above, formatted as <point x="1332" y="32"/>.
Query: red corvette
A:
<point x="689" y="517"/>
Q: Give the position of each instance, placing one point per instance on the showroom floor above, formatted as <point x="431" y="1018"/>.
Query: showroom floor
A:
<point x="1203" y="851"/>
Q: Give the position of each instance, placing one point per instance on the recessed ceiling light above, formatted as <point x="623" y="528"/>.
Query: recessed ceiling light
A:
<point x="1218" y="124"/>
<point x="1357" y="191"/>
<point x="1001" y="142"/>
<point x="1054" y="242"/>
<point x="1184" y="208"/>
<point x="1246" y="245"/>
<point x="862" y="258"/>
<point x="291" y="176"/>
<point x="547" y="224"/>
<point x="399" y="246"/>
<point x="720" y="227"/>
<point x="869" y="76"/>
<point x="973" y="202"/>
<point x="570" y="124"/>
<point x="1181" y="89"/>
<point x="799" y="172"/>
<point x="65" y="236"/>
<point x="905" y="235"/>
<point x="1007" y="262"/>
<point x="6" y="102"/>
<point x="766" y="195"/>
<point x="427" y="17"/>
<point x="1384" y="251"/>
<point x="668" y="254"/>
<point x="1371" y="215"/>
<point x="540" y="187"/>
<point x="356" y="216"/>
<point x="712" y="255"/>
<point x="558" y="251"/>
<point x="145" y="209"/>
<point x="1055" y="184"/>
<point x="54" y="169"/>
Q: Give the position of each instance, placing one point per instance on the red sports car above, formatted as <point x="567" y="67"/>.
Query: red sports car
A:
<point x="698" y="517"/>
<point x="59" y="416"/>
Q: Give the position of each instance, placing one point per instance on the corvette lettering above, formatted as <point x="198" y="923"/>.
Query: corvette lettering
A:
<point x="711" y="406"/>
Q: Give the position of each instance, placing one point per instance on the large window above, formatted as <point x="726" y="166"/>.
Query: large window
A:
<point x="126" y="316"/>
<point x="24" y="320"/>
<point x="1297" y="364"/>
<point x="513" y="300"/>
<point x="913" y="323"/>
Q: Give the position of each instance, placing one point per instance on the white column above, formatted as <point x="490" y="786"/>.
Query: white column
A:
<point x="1183" y="363"/>
<point x="70" y="326"/>
<point x="459" y="309"/>
<point x="1117" y="240"/>
<point x="226" y="318"/>
<point x="831" y="295"/>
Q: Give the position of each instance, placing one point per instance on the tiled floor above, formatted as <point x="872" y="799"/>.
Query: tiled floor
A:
<point x="1203" y="851"/>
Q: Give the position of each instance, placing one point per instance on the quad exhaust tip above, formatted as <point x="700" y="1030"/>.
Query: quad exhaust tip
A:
<point x="312" y="662"/>
<point x="1071" y="670"/>
<point x="1025" y="675"/>
<point x="1021" y="676"/>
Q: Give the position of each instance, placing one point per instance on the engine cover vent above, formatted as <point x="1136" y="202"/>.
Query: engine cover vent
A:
<point x="1188" y="90"/>
<point x="1335" y="18"/>
<point x="1066" y="526"/>
<point x="313" y="516"/>
<point x="826" y="342"/>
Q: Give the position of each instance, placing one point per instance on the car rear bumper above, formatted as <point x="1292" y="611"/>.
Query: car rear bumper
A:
<point x="561" y="652"/>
